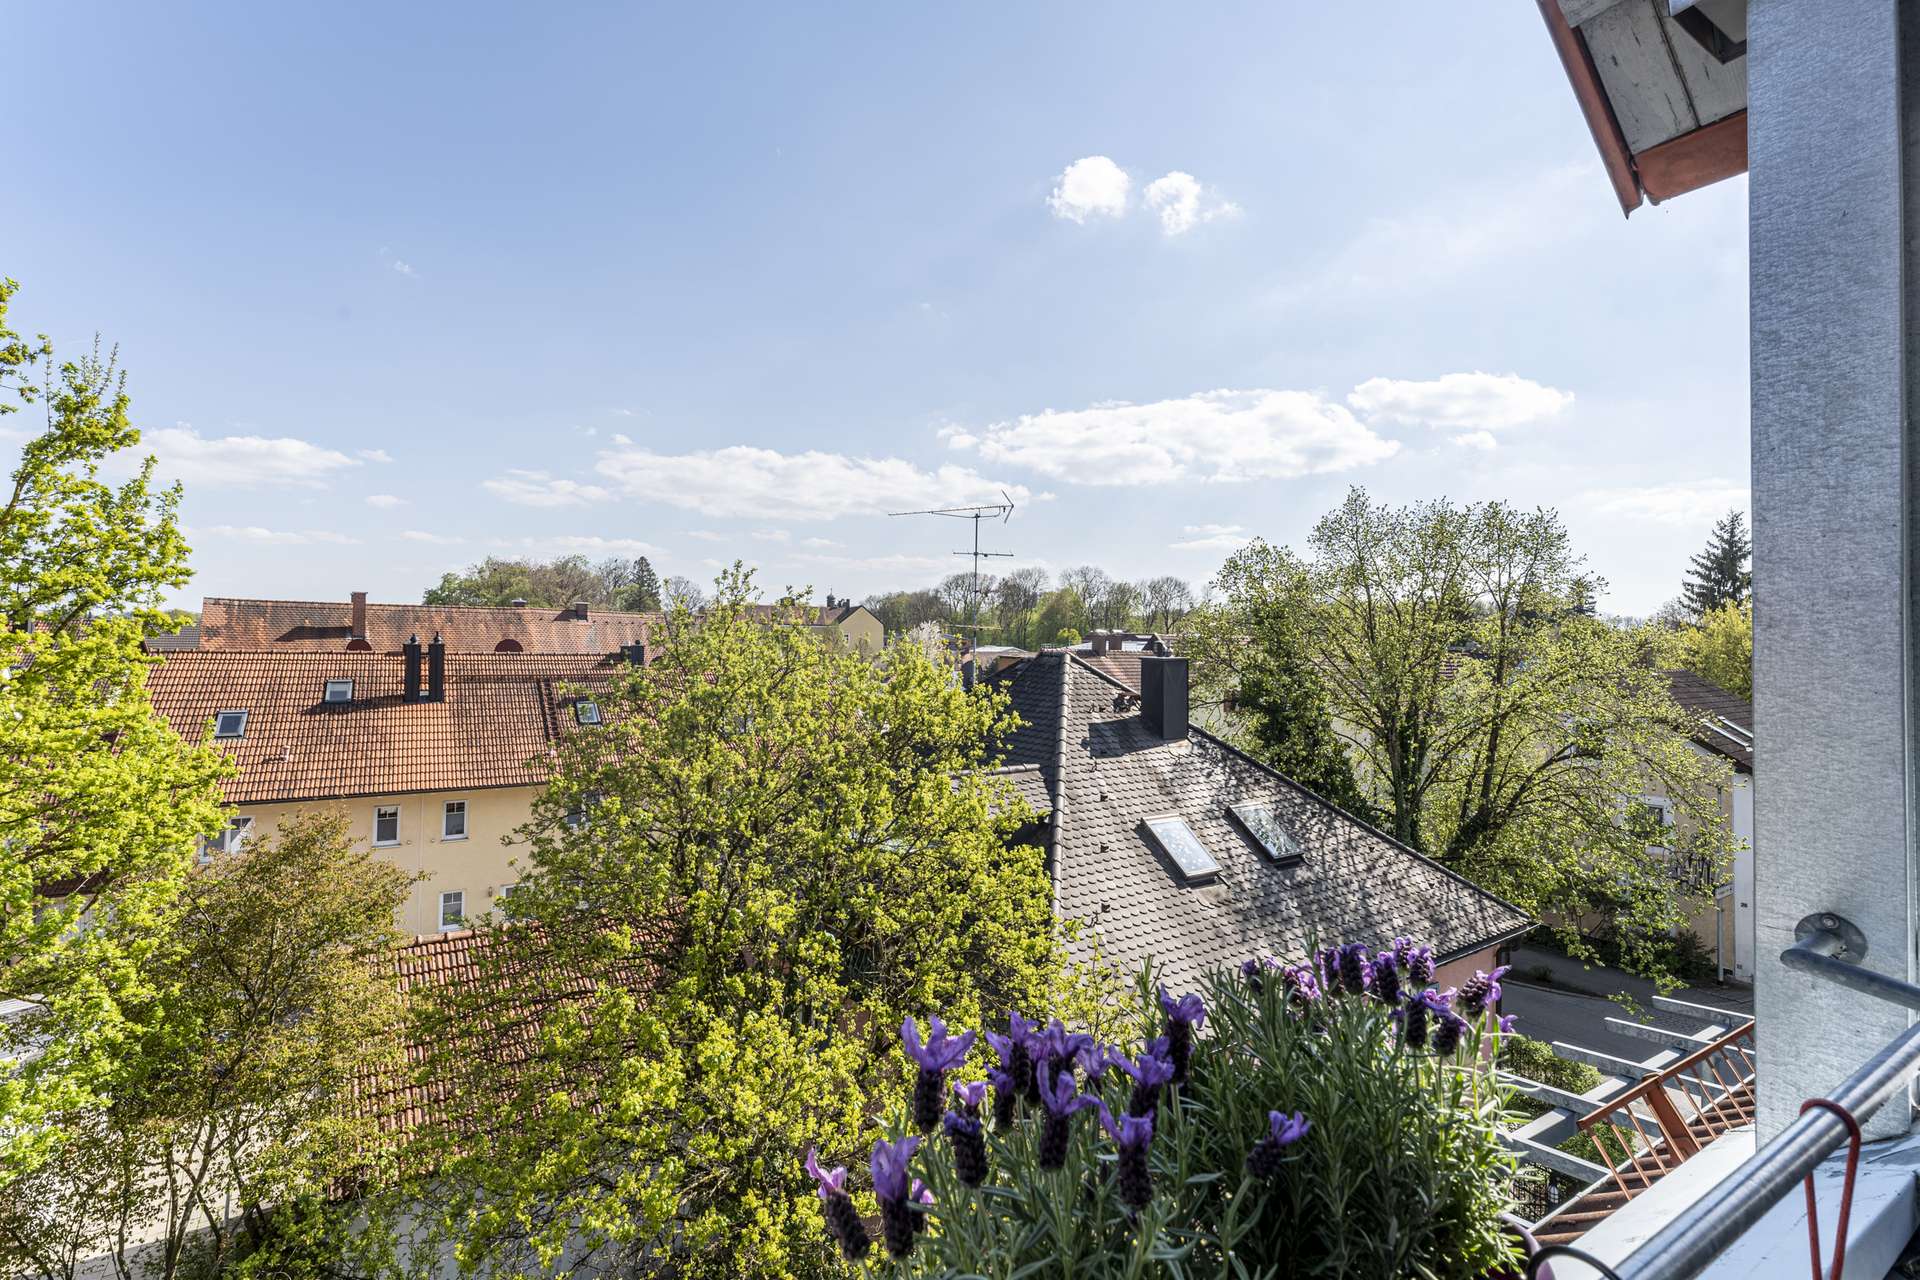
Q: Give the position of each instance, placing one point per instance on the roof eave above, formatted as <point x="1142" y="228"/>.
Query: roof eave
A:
<point x="1587" y="90"/>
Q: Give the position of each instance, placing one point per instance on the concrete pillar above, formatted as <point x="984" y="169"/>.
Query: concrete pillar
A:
<point x="1833" y="319"/>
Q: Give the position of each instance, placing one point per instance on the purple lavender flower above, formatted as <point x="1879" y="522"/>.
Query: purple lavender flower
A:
<point x="970" y="1094"/>
<point x="1006" y="1096"/>
<point x="1356" y="973"/>
<point x="1415" y="1016"/>
<point x="1094" y="1059"/>
<point x="1506" y="1023"/>
<point x="1283" y="1131"/>
<point x="1131" y="1134"/>
<point x="1420" y="966"/>
<point x="1149" y="1073"/>
<point x="1057" y="1050"/>
<point x="1303" y="984"/>
<point x="1062" y="1102"/>
<point x="892" y="1188"/>
<point x="1402" y="952"/>
<point x="1326" y="962"/>
<point x="1479" y="991"/>
<point x="921" y="1196"/>
<point x="1184" y="1016"/>
<point x="969" y="1147"/>
<point x="939" y="1055"/>
<point x="1386" y="978"/>
<point x="843" y="1220"/>
<point x="1446" y="1035"/>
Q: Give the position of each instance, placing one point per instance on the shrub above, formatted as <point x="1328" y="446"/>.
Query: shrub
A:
<point x="1536" y="1060"/>
<point x="1337" y="1118"/>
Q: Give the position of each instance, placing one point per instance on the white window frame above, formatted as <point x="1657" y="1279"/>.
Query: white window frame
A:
<point x="586" y="711"/>
<point x="1663" y="804"/>
<point x="500" y="897"/>
<point x="447" y="810"/>
<point x="378" y="810"/>
<point x="457" y="899"/>
<point x="232" y="839"/>
<point x="220" y="718"/>
<point x="326" y="692"/>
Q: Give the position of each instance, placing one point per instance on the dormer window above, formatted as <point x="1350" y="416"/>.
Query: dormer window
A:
<point x="338" y="691"/>
<point x="586" y="711"/>
<point x="1177" y="841"/>
<point x="1263" y="826"/>
<point x="230" y="724"/>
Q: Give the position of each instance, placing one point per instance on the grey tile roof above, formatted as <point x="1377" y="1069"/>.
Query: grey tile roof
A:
<point x="1726" y="719"/>
<point x="1354" y="884"/>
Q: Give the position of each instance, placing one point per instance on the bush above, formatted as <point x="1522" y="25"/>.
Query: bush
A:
<point x="1350" y="1133"/>
<point x="1535" y="1060"/>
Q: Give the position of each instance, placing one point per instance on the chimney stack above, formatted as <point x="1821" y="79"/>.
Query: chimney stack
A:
<point x="518" y="604"/>
<point x="437" y="670"/>
<point x="1163" y="697"/>
<point x="412" y="651"/>
<point x="359" y="616"/>
<point x="580" y="608"/>
<point x="635" y="654"/>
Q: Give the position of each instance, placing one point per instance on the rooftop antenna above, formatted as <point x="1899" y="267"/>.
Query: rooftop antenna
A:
<point x="1001" y="511"/>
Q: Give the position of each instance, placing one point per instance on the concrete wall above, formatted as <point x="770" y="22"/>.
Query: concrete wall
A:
<point x="478" y="866"/>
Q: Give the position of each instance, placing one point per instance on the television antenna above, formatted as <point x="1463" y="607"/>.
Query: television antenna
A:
<point x="1001" y="511"/>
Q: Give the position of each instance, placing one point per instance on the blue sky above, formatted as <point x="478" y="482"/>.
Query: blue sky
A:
<point x="402" y="286"/>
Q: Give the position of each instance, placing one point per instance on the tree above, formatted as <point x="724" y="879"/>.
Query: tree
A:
<point x="553" y="584"/>
<point x="1090" y="585"/>
<point x="1015" y="596"/>
<point x="235" y="1100"/>
<point x="1118" y="605"/>
<point x="104" y="802"/>
<point x="766" y="857"/>
<point x="1492" y="724"/>
<point x="901" y="611"/>
<point x="1166" y="600"/>
<point x="962" y="595"/>
<point x="1720" y="647"/>
<point x="683" y="593"/>
<point x="644" y="591"/>
<point x="1720" y="572"/>
<point x="1060" y="618"/>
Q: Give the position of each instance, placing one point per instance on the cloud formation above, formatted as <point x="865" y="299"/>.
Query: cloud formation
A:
<point x="742" y="481"/>
<point x="186" y="455"/>
<point x="1208" y="436"/>
<point x="1091" y="187"/>
<point x="540" y="489"/>
<point x="433" y="539"/>
<point x="280" y="537"/>
<point x="384" y="501"/>
<point x="1482" y="402"/>
<point x="1696" y="503"/>
<point x="1212" y="537"/>
<point x="1184" y="204"/>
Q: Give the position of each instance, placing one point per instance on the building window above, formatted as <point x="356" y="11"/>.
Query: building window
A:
<point x="1177" y="841"/>
<point x="386" y="824"/>
<point x="1263" y="825"/>
<point x="453" y="820"/>
<point x="453" y="909"/>
<point x="230" y="724"/>
<point x="503" y="898"/>
<point x="232" y="840"/>
<point x="338" y="691"/>
<point x="586" y="711"/>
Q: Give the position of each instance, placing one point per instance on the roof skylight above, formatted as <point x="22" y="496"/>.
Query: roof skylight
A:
<point x="1262" y="824"/>
<point x="230" y="724"/>
<point x="586" y="711"/>
<point x="338" y="691"/>
<point x="1177" y="841"/>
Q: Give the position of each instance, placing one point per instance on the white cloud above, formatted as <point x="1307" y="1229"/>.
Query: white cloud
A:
<point x="376" y="455"/>
<point x="745" y="482"/>
<point x="435" y="539"/>
<point x="1212" y="537"/>
<point x="1695" y="503"/>
<point x="188" y="456"/>
<point x="405" y="269"/>
<point x="385" y="501"/>
<point x="588" y="544"/>
<point x="620" y="437"/>
<point x="707" y="535"/>
<point x="820" y="544"/>
<point x="539" y="489"/>
<point x="1184" y="204"/>
<point x="1459" y="401"/>
<point x="1482" y="440"/>
<point x="284" y="537"/>
<point x="898" y="562"/>
<point x="1210" y="435"/>
<point x="1091" y="187"/>
<point x="771" y="535"/>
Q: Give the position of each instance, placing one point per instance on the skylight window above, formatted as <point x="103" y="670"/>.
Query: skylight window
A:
<point x="230" y="724"/>
<point x="339" y="691"/>
<point x="1177" y="841"/>
<point x="1263" y="826"/>
<point x="586" y="711"/>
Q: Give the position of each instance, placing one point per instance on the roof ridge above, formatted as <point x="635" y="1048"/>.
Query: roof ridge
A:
<point x="1057" y="818"/>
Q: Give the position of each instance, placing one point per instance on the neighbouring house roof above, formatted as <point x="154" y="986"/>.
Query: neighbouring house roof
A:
<point x="1664" y="95"/>
<point x="1106" y="772"/>
<point x="501" y="714"/>
<point x="1726" y="719"/>
<point x="326" y="626"/>
<point x="812" y="615"/>
<point x="187" y="637"/>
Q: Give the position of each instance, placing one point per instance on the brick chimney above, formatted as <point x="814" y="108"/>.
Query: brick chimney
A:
<point x="359" y="615"/>
<point x="411" y="650"/>
<point x="436" y="670"/>
<point x="1163" y="697"/>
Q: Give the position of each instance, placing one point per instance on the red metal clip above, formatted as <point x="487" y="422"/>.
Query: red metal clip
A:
<point x="1846" y="1190"/>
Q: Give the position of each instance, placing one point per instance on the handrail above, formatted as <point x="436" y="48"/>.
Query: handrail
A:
<point x="1829" y="947"/>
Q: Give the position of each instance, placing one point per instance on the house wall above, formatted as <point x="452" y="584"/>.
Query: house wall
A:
<point x="478" y="866"/>
<point x="1455" y="972"/>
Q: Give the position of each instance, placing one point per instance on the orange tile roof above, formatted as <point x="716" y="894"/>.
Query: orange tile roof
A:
<point x="501" y="714"/>
<point x="325" y="626"/>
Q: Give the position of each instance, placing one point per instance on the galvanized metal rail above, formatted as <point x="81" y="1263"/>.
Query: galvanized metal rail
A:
<point x="1828" y="947"/>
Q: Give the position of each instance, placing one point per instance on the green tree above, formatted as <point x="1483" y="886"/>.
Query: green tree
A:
<point x="1491" y="723"/>
<point x="766" y="856"/>
<point x="1720" y="647"/>
<point x="234" y="1104"/>
<point x="103" y="802"/>
<point x="1061" y="615"/>
<point x="643" y="593"/>
<point x="1720" y="571"/>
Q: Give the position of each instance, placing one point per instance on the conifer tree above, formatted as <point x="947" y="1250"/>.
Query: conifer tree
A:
<point x="1720" y="572"/>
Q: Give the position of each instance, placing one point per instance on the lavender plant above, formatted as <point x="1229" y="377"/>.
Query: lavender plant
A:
<point x="1337" y="1118"/>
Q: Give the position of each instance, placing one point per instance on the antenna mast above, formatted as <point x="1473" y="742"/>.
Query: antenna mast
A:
<point x="1001" y="511"/>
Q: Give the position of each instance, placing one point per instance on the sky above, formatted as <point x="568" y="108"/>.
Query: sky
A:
<point x="401" y="287"/>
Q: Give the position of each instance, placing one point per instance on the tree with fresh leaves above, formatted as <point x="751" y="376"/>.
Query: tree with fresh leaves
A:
<point x="1720" y="647"/>
<point x="104" y="802"/>
<point x="231" y="1116"/>
<point x="1490" y="723"/>
<point x="1721" y="573"/>
<point x="679" y="592"/>
<point x="1165" y="601"/>
<point x="1016" y="595"/>
<point x="626" y="585"/>
<point x="1060" y="619"/>
<point x="766" y="856"/>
